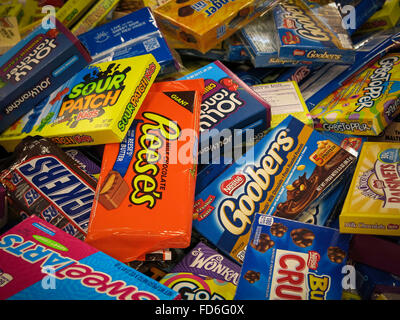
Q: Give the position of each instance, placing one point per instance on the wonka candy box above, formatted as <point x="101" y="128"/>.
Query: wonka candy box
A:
<point x="227" y="104"/>
<point x="202" y="24"/>
<point x="141" y="178"/>
<point x="285" y="99"/>
<point x="193" y="287"/>
<point x="132" y="35"/>
<point x="290" y="260"/>
<point x="35" y="67"/>
<point x="43" y="180"/>
<point x="40" y="262"/>
<point x="96" y="106"/>
<point x="303" y="35"/>
<point x="373" y="201"/>
<point x="366" y="103"/>
<point x="287" y="172"/>
<point x="205" y="262"/>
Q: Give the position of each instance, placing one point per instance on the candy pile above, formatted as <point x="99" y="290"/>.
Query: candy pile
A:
<point x="200" y="150"/>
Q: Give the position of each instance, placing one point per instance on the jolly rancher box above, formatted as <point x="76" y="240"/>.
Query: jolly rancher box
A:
<point x="35" y="67"/>
<point x="96" y="106"/>
<point x="302" y="35"/>
<point x="290" y="170"/>
<point x="40" y="262"/>
<point x="372" y="205"/>
<point x="290" y="260"/>
<point x="202" y="24"/>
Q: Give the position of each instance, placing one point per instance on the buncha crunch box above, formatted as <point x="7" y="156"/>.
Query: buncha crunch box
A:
<point x="372" y="205"/>
<point x="290" y="170"/>
<point x="366" y="103"/>
<point x="290" y="260"/>
<point x="35" y="67"/>
<point x="145" y="193"/>
<point x="96" y="106"/>
<point x="40" y="262"/>
<point x="202" y="24"/>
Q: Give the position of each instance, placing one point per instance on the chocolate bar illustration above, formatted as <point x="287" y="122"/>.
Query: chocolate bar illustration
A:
<point x="113" y="191"/>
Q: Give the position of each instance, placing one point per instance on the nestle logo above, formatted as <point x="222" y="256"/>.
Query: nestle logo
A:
<point x="313" y="259"/>
<point x="229" y="186"/>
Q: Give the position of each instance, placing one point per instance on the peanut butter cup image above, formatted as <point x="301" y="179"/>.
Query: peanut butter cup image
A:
<point x="187" y="37"/>
<point x="263" y="244"/>
<point x="185" y="11"/>
<point x="278" y="229"/>
<point x="252" y="276"/>
<point x="336" y="255"/>
<point x="302" y="237"/>
<point x="113" y="191"/>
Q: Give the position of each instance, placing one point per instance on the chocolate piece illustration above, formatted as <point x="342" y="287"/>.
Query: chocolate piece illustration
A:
<point x="302" y="237"/>
<point x="263" y="244"/>
<point x="335" y="254"/>
<point x="113" y="191"/>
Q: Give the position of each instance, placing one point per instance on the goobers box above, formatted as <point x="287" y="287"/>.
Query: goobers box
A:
<point x="289" y="171"/>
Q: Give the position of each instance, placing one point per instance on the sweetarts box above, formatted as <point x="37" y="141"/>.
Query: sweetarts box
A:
<point x="35" y="67"/>
<point x="372" y="205"/>
<point x="40" y="262"/>
<point x="366" y="103"/>
<point x="290" y="260"/>
<point x="96" y="106"/>
<point x="287" y="172"/>
<point x="131" y="35"/>
<point x="302" y="35"/>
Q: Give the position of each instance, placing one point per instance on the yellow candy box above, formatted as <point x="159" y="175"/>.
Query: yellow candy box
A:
<point x="366" y="103"/>
<point x="96" y="106"/>
<point x="201" y="24"/>
<point x="372" y="205"/>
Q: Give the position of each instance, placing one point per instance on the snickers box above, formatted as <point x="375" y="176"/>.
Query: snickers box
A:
<point x="287" y="172"/>
<point x="94" y="107"/>
<point x="35" y="67"/>
<point x="290" y="260"/>
<point x="40" y="262"/>
<point x="372" y="205"/>
<point x="303" y="35"/>
<point x="131" y="35"/>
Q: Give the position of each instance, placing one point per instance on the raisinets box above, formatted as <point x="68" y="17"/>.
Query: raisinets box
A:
<point x="308" y="31"/>
<point x="366" y="103"/>
<point x="290" y="260"/>
<point x="287" y="172"/>
<point x="94" y="107"/>
<point x="40" y="262"/>
<point x="35" y="67"/>
<point x="372" y="205"/>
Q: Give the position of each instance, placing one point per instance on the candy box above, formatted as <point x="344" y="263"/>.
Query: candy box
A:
<point x="35" y="67"/>
<point x="152" y="171"/>
<point x="373" y="201"/>
<point x="290" y="260"/>
<point x="203" y="24"/>
<point x="385" y="18"/>
<point x="96" y="106"/>
<point x="285" y="99"/>
<point x="40" y="262"/>
<point x="228" y="104"/>
<point x="134" y="34"/>
<point x="390" y="134"/>
<point x="205" y="262"/>
<point x="9" y="33"/>
<point x="287" y="172"/>
<point x="303" y="35"/>
<point x="43" y="180"/>
<point x="366" y="103"/>
<point x="261" y="42"/>
<point x="193" y="287"/>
